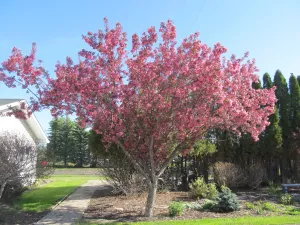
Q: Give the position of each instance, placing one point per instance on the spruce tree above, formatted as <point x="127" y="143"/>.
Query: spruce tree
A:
<point x="298" y="78"/>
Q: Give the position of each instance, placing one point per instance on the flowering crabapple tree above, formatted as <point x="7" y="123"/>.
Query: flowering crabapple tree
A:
<point x="154" y="101"/>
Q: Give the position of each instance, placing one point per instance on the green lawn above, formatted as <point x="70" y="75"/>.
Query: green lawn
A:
<point x="220" y="221"/>
<point x="46" y="196"/>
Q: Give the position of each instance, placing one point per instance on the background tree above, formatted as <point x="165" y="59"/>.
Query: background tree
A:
<point x="298" y="79"/>
<point x="272" y="140"/>
<point x="283" y="105"/>
<point x="295" y="122"/>
<point x="68" y="142"/>
<point x="174" y="94"/>
<point x="80" y="153"/>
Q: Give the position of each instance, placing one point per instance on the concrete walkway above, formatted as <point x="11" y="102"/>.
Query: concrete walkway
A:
<point x="72" y="208"/>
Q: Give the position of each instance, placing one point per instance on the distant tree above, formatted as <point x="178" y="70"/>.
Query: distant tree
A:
<point x="80" y="151"/>
<point x="55" y="145"/>
<point x="267" y="81"/>
<point x="68" y="142"/>
<point x="271" y="143"/>
<point x="295" y="123"/>
<point x="283" y="104"/>
<point x="295" y="103"/>
<point x="298" y="79"/>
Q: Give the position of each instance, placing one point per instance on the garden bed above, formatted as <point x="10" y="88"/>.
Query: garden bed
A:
<point x="105" y="205"/>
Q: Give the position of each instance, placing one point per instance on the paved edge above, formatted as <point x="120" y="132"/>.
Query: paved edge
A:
<point x="72" y="208"/>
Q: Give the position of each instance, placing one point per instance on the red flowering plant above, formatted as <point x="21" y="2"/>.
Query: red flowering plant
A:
<point x="154" y="101"/>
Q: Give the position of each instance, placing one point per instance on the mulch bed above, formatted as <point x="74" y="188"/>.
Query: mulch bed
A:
<point x="106" y="206"/>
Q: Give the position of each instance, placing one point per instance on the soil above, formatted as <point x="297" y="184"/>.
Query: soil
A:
<point x="107" y="206"/>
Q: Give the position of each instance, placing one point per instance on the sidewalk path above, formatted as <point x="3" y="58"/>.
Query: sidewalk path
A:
<point x="72" y="208"/>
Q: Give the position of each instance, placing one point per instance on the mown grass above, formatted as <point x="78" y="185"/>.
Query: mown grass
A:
<point x="220" y="221"/>
<point x="46" y="196"/>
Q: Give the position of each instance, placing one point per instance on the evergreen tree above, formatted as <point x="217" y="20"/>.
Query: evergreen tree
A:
<point x="273" y="133"/>
<point x="298" y="78"/>
<point x="55" y="146"/>
<point x="283" y="105"/>
<point x="81" y="153"/>
<point x="267" y="81"/>
<point x="295" y="102"/>
<point x="295" y="124"/>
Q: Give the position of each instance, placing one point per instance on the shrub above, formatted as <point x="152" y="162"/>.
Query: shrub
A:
<point x="226" y="201"/>
<point x="193" y="206"/>
<point x="269" y="206"/>
<point x="229" y="175"/>
<point x="250" y="205"/>
<point x="208" y="204"/>
<point x="176" y="208"/>
<point x="199" y="189"/>
<point x="43" y="163"/>
<point x="274" y="189"/>
<point x="287" y="199"/>
<point x="255" y="175"/>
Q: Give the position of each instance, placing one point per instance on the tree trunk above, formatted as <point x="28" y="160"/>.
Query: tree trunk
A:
<point x="205" y="169"/>
<point x="152" y="189"/>
<point x="2" y="189"/>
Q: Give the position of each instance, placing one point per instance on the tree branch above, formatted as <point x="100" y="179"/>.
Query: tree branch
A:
<point x="134" y="162"/>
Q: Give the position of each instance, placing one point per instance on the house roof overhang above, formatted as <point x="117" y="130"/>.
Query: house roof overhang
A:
<point x="31" y="122"/>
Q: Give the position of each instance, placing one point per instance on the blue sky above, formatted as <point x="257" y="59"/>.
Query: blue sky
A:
<point x="268" y="29"/>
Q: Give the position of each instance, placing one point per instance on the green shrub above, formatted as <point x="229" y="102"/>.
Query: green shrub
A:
<point x="287" y="199"/>
<point x="176" y="208"/>
<point x="269" y="206"/>
<point x="250" y="205"/>
<point x="199" y="189"/>
<point x="208" y="205"/>
<point x="274" y="189"/>
<point x="193" y="206"/>
<point x="226" y="201"/>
